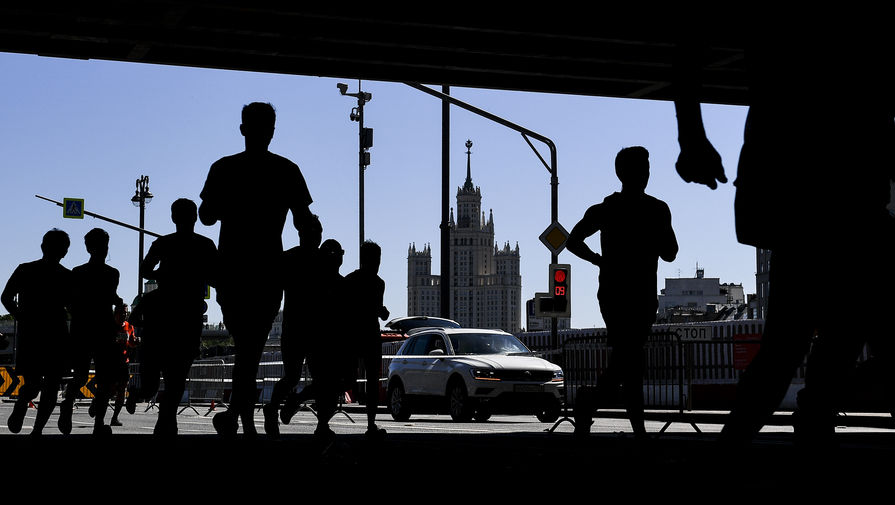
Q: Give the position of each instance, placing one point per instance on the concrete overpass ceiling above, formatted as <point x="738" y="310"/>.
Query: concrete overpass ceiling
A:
<point x="565" y="52"/>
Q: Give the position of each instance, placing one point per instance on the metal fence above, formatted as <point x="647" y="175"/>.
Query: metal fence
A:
<point x="683" y="371"/>
<point x="679" y="373"/>
<point x="209" y="383"/>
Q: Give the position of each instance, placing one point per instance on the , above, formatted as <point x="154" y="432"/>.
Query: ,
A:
<point x="471" y="374"/>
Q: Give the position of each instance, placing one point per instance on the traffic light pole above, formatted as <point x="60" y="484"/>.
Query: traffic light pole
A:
<point x="364" y="141"/>
<point x="360" y="166"/>
<point x="446" y="301"/>
<point x="526" y="134"/>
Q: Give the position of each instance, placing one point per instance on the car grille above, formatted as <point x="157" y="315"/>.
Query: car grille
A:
<point x="523" y="375"/>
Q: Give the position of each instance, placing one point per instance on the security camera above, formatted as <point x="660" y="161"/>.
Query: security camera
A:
<point x="343" y="88"/>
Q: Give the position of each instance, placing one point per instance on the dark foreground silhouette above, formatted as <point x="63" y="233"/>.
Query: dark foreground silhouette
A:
<point x="42" y="333"/>
<point x="332" y="364"/>
<point x="635" y="231"/>
<point x="250" y="193"/>
<point x="367" y="290"/>
<point x="182" y="264"/>
<point x="302" y="322"/>
<point x="94" y="332"/>
<point x="812" y="185"/>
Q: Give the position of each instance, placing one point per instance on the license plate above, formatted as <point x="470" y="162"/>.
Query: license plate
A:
<point x="528" y="388"/>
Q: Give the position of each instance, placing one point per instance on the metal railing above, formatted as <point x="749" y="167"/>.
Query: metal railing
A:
<point x="680" y="374"/>
<point x="683" y="375"/>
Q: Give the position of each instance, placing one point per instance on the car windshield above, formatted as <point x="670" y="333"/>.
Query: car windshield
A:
<point x="486" y="343"/>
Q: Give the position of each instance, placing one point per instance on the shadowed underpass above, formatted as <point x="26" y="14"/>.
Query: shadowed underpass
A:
<point x="505" y="463"/>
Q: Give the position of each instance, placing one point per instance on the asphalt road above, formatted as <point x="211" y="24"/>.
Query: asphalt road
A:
<point x="506" y="456"/>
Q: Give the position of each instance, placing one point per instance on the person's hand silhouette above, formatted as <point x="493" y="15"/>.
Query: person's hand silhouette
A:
<point x="699" y="162"/>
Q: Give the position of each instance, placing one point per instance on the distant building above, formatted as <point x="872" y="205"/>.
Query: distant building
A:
<point x="423" y="288"/>
<point x="699" y="294"/>
<point x="486" y="284"/>
<point x="276" y="328"/>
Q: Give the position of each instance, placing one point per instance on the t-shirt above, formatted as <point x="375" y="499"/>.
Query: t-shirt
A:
<point x="250" y="194"/>
<point x="95" y="292"/>
<point x="302" y="291"/>
<point x="185" y="264"/>
<point x="44" y="292"/>
<point x="819" y="141"/>
<point x="634" y="232"/>
<point x="366" y="291"/>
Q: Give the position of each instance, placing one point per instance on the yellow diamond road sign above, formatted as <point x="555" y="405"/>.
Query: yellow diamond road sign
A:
<point x="554" y="237"/>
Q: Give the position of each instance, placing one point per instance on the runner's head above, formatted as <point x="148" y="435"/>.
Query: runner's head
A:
<point x="97" y="243"/>
<point x="370" y="256"/>
<point x="183" y="212"/>
<point x="55" y="244"/>
<point x="632" y="168"/>
<point x="258" y="120"/>
<point x="331" y="254"/>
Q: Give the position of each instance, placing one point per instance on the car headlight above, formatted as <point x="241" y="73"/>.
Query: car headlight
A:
<point x="484" y="374"/>
<point x="557" y="376"/>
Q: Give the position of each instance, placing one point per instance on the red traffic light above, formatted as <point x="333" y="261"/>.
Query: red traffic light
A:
<point x="559" y="276"/>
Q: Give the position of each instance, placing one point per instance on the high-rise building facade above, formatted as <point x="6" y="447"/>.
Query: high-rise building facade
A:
<point x="486" y="284"/>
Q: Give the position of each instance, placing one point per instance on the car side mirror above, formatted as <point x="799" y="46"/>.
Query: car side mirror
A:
<point x="436" y="352"/>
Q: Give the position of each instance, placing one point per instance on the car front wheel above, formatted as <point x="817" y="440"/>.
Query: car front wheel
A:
<point x="482" y="414"/>
<point x="550" y="412"/>
<point x="458" y="402"/>
<point x="397" y="402"/>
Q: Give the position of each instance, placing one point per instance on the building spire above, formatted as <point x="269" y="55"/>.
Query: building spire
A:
<point x="467" y="186"/>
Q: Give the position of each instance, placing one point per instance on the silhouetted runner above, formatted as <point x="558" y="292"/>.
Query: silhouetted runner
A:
<point x="330" y="359"/>
<point x="302" y="321"/>
<point x="812" y="185"/>
<point x="250" y="193"/>
<point x="182" y="263"/>
<point x="126" y="345"/>
<point x="37" y="295"/>
<point x="148" y="320"/>
<point x="367" y="289"/>
<point x="635" y="231"/>
<point x="93" y="331"/>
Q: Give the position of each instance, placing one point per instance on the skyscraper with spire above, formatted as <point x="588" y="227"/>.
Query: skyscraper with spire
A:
<point x="486" y="284"/>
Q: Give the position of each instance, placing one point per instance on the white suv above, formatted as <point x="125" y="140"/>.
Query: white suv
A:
<point x="471" y="373"/>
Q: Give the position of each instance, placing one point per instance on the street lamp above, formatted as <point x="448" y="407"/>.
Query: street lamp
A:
<point x="141" y="198"/>
<point x="365" y="141"/>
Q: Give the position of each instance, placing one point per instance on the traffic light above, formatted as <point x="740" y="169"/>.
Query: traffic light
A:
<point x="560" y="278"/>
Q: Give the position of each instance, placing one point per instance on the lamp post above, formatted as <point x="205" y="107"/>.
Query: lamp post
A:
<point x="365" y="141"/>
<point x="141" y="198"/>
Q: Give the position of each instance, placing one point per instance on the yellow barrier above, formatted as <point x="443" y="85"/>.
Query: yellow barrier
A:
<point x="9" y="384"/>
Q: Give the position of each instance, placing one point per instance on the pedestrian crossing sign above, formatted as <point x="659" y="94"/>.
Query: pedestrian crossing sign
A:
<point x="73" y="208"/>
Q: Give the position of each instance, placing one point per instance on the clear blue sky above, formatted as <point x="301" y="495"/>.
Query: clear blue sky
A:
<point x="89" y="129"/>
